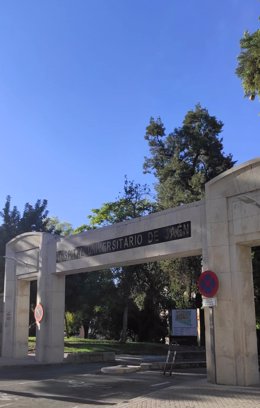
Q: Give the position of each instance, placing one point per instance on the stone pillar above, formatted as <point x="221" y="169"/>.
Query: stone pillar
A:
<point x="8" y="340"/>
<point x="1" y="320"/>
<point x="208" y="313"/>
<point x="234" y="316"/>
<point x="51" y="294"/>
<point x="245" y="345"/>
<point x="234" y="320"/>
<point x="22" y="318"/>
<point x="16" y="311"/>
<point x="209" y="327"/>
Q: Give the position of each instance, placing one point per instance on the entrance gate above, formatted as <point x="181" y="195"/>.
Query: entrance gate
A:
<point x="222" y="228"/>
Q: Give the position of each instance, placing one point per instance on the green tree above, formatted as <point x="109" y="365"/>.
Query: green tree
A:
<point x="183" y="275"/>
<point x="153" y="299"/>
<point x="72" y="323"/>
<point x="248" y="69"/>
<point x="8" y="230"/>
<point x="183" y="161"/>
<point x="187" y="158"/>
<point x="33" y="218"/>
<point x="55" y="226"/>
<point x="132" y="203"/>
<point x="89" y="296"/>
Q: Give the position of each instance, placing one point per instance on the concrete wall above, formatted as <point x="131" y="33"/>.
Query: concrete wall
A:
<point x="1" y="320"/>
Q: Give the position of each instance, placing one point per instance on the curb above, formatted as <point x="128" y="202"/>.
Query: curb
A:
<point x="97" y="357"/>
<point x="159" y="365"/>
<point x="71" y="358"/>
<point x="120" y="369"/>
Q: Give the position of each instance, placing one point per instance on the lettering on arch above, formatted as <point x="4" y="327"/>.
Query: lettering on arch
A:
<point x="152" y="237"/>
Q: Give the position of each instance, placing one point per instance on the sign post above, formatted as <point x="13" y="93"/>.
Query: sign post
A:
<point x="208" y="286"/>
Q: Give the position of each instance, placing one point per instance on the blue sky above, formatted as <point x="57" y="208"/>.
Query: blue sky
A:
<point x="79" y="81"/>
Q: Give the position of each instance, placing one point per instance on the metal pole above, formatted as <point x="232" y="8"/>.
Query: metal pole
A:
<point x="212" y="341"/>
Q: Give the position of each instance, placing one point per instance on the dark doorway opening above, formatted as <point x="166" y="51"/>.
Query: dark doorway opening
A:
<point x="256" y="280"/>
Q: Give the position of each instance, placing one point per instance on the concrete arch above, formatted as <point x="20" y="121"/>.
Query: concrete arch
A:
<point x="222" y="228"/>
<point x="32" y="256"/>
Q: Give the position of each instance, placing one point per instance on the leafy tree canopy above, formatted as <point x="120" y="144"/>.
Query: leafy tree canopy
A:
<point x="58" y="227"/>
<point x="132" y="203"/>
<point x="33" y="218"/>
<point x="187" y="158"/>
<point x="183" y="161"/>
<point x="138" y="296"/>
<point x="248" y="69"/>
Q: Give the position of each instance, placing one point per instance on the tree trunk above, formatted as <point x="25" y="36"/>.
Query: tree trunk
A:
<point x="66" y="325"/>
<point x="123" y="335"/>
<point x="86" y="328"/>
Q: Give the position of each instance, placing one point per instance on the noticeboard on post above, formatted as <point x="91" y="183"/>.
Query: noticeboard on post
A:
<point x="184" y="322"/>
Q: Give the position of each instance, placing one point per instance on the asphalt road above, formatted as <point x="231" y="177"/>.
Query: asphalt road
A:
<point x="80" y="385"/>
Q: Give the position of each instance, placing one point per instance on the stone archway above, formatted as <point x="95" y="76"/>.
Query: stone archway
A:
<point x="222" y="228"/>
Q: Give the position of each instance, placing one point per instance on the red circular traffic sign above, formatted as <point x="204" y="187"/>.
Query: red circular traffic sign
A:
<point x="38" y="313"/>
<point x="208" y="284"/>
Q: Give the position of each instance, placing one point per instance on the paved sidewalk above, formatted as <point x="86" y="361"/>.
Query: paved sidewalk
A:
<point x="198" y="394"/>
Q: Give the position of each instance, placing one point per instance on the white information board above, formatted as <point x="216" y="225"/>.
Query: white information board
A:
<point x="184" y="322"/>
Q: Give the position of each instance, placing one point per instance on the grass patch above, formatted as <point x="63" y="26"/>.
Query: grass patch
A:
<point x="77" y="345"/>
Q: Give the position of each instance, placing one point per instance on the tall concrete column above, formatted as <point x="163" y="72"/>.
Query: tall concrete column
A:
<point x="51" y="294"/>
<point x="16" y="311"/>
<point x="208" y="313"/>
<point x="219" y="321"/>
<point x="9" y="331"/>
<point x="22" y="318"/>
<point x="234" y="316"/>
<point x="234" y="321"/>
<point x="245" y="344"/>
<point x="209" y="327"/>
<point x="1" y="320"/>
